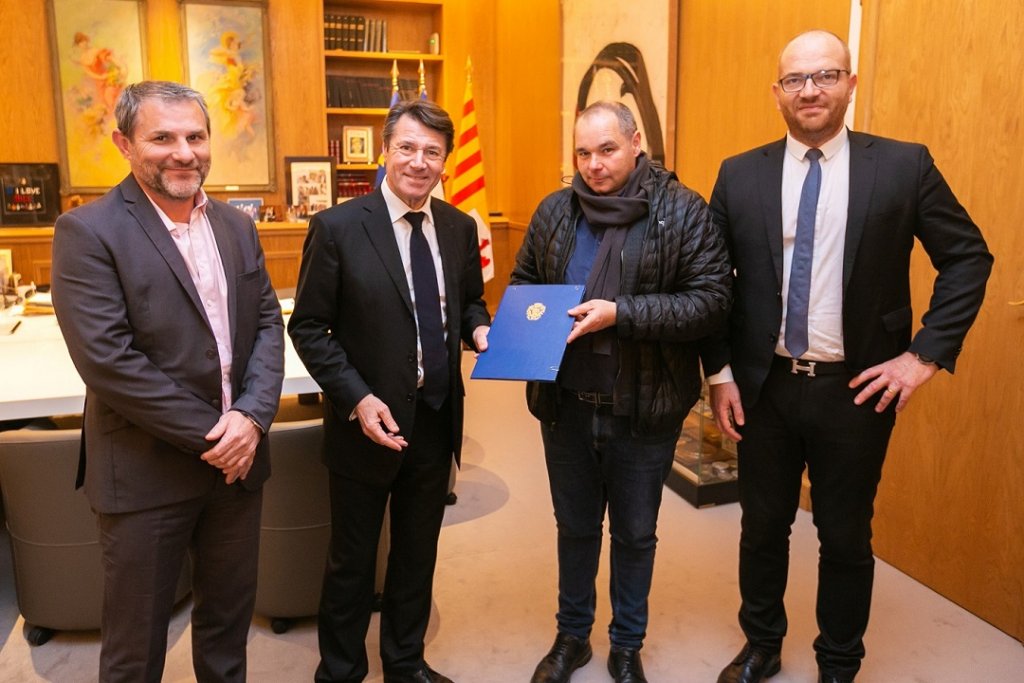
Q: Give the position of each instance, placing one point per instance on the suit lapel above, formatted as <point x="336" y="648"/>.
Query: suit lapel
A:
<point x="377" y="224"/>
<point x="229" y="257"/>
<point x="447" y="244"/>
<point x="770" y="185"/>
<point x="142" y="210"/>
<point x="863" y="169"/>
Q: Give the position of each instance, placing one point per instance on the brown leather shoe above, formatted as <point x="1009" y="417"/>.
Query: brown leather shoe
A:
<point x="625" y="667"/>
<point x="751" y="665"/>
<point x="566" y="655"/>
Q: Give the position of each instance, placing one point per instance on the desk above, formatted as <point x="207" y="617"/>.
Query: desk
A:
<point x="38" y="379"/>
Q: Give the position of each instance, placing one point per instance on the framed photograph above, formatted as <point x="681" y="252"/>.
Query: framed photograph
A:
<point x="357" y="144"/>
<point x="623" y="52"/>
<point x="312" y="184"/>
<point x="227" y="58"/>
<point x="250" y="206"/>
<point x="97" y="49"/>
<point x="31" y="195"/>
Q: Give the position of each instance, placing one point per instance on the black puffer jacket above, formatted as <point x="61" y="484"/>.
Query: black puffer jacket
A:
<point x="676" y="288"/>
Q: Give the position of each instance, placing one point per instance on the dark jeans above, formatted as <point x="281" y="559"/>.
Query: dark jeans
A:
<point x="812" y="420"/>
<point x="595" y="463"/>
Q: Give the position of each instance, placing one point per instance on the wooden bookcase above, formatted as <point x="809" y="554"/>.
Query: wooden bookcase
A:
<point x="410" y="24"/>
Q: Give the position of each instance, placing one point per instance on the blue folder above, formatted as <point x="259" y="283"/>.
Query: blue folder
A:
<point x="527" y="337"/>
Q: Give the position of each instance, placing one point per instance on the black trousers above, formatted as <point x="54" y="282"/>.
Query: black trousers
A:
<point x="802" y="420"/>
<point x="417" y="496"/>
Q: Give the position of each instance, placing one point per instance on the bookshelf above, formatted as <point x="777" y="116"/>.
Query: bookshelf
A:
<point x="362" y="39"/>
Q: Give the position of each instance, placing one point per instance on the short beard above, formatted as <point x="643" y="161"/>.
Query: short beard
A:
<point x="181" y="189"/>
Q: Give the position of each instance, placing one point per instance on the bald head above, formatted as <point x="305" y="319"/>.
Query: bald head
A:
<point x="816" y="42"/>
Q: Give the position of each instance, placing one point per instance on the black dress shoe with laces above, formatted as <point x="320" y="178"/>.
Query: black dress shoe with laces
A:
<point x="424" y="675"/>
<point x="625" y="667"/>
<point x="566" y="655"/>
<point x="752" y="665"/>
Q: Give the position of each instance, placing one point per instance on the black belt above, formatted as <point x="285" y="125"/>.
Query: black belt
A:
<point x="594" y="397"/>
<point x="810" y="368"/>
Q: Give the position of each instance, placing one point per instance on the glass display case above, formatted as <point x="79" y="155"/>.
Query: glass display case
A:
<point x="704" y="471"/>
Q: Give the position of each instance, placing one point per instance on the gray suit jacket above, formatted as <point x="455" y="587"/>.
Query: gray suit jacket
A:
<point x="139" y="337"/>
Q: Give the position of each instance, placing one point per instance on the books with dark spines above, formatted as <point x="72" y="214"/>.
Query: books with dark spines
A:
<point x="360" y="34"/>
<point x="336" y="27"/>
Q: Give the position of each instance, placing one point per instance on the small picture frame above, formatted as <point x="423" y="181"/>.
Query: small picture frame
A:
<point x="30" y="194"/>
<point x="312" y="184"/>
<point x="357" y="144"/>
<point x="250" y="206"/>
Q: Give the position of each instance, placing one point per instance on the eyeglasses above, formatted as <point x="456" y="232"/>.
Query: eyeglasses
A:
<point x="826" y="78"/>
<point x="431" y="154"/>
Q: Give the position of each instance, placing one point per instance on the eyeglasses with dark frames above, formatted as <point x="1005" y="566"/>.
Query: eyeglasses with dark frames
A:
<point x="826" y="78"/>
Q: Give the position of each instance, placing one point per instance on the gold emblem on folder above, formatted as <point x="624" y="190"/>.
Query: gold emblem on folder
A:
<point x="535" y="311"/>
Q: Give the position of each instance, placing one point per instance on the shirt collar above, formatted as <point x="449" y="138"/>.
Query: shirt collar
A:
<point x="828" y="150"/>
<point x="398" y="208"/>
<point x="201" y="202"/>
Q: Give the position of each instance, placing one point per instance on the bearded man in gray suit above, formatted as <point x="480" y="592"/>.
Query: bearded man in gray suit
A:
<point x="166" y="306"/>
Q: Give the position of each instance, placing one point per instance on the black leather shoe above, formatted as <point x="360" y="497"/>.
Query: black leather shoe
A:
<point x="566" y="655"/>
<point x="751" y="665"/>
<point x="827" y="678"/>
<point x="625" y="667"/>
<point x="424" y="675"/>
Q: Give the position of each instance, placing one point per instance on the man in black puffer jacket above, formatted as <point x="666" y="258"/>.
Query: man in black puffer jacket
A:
<point x="657" y="279"/>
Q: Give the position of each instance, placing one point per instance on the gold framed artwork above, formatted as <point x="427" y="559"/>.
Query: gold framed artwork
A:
<point x="227" y="58"/>
<point x="357" y="144"/>
<point x="97" y="49"/>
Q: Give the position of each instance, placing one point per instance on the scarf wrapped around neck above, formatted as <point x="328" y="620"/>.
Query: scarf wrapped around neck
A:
<point x="613" y="214"/>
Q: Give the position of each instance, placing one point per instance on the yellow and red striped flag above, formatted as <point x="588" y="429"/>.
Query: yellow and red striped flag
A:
<point x="468" y="191"/>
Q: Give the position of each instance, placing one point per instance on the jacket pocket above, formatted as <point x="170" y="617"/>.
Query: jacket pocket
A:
<point x="897" y="320"/>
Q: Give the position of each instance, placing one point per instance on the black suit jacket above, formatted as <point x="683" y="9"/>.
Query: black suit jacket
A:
<point x="896" y="195"/>
<point x="354" y="325"/>
<point x="140" y="338"/>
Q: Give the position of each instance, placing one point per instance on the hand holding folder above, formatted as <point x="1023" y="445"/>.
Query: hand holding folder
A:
<point x="528" y="336"/>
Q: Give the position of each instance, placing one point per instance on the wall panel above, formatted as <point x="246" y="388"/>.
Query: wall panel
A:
<point x="728" y="54"/>
<point x="950" y="509"/>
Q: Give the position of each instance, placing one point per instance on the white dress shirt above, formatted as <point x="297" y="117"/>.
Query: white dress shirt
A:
<point x="825" y="309"/>
<point x="403" y="234"/>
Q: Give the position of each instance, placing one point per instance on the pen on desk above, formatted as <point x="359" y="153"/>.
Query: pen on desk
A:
<point x="15" y="328"/>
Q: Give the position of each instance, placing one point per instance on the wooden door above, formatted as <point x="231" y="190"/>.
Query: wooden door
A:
<point x="950" y="510"/>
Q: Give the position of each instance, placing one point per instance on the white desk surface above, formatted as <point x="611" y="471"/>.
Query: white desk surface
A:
<point x="38" y="379"/>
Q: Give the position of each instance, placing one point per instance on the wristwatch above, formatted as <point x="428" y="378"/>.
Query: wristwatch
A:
<point x="925" y="360"/>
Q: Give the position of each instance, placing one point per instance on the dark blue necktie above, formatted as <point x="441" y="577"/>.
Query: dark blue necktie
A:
<point x="428" y="315"/>
<point x="803" y="256"/>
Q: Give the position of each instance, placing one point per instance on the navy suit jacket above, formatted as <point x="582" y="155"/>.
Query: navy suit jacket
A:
<point x="354" y="325"/>
<point x="896" y="195"/>
<point x="140" y="338"/>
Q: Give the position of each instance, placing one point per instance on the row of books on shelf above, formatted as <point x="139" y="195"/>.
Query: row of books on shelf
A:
<point x="355" y="33"/>
<point x="353" y="184"/>
<point x="367" y="91"/>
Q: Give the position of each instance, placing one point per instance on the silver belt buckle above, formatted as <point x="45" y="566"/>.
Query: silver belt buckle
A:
<point x="796" y="368"/>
